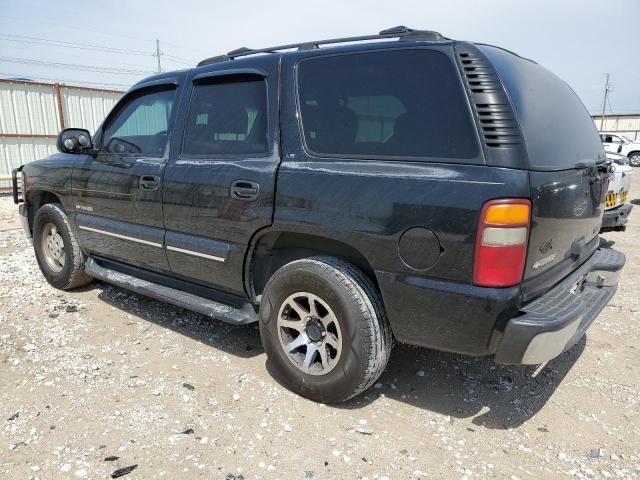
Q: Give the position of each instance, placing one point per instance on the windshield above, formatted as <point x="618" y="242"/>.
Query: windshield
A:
<point x="626" y="139"/>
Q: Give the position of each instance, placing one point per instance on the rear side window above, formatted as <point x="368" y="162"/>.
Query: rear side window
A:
<point x="400" y="103"/>
<point x="557" y="129"/>
<point x="227" y="117"/>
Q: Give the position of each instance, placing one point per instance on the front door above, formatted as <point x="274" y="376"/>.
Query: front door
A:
<point x="118" y="192"/>
<point x="219" y="184"/>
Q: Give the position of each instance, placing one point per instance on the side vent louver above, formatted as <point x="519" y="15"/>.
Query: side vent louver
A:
<point x="499" y="130"/>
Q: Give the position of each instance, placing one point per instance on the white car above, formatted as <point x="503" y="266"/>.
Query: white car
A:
<point x="616" y="206"/>
<point x="616" y="143"/>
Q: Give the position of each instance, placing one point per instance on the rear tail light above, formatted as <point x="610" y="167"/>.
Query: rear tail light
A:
<point x="501" y="242"/>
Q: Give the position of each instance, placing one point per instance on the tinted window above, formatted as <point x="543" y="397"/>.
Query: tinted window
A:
<point x="227" y="118"/>
<point x="557" y="129"/>
<point x="402" y="103"/>
<point x="142" y="126"/>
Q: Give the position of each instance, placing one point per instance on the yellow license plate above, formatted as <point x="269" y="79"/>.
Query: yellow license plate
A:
<point x="610" y="200"/>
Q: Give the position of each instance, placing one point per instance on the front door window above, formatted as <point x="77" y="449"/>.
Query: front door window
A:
<point x="142" y="126"/>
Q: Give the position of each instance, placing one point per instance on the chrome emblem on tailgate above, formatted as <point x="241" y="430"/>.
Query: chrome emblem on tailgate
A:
<point x="544" y="261"/>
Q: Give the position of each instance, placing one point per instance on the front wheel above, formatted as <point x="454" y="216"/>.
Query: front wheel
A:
<point x="324" y="330"/>
<point x="634" y="159"/>
<point x="57" y="251"/>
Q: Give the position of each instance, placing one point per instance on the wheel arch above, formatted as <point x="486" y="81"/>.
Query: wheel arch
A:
<point x="275" y="249"/>
<point x="38" y="198"/>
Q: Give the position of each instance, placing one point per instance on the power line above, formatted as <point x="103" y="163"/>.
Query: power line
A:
<point x="75" y="66"/>
<point x="180" y="59"/>
<point x="42" y="21"/>
<point x="181" y="47"/>
<point x="91" y="47"/>
<point x="64" y="44"/>
<point x="111" y="59"/>
<point x="119" y="70"/>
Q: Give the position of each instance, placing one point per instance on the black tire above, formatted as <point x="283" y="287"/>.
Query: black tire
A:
<point x="634" y="159"/>
<point x="71" y="275"/>
<point x="366" y="341"/>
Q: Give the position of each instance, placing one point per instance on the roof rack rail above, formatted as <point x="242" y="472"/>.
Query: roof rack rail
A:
<point x="400" y="32"/>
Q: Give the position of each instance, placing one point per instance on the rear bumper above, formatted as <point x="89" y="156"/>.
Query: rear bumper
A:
<point x="616" y="218"/>
<point x="555" y="321"/>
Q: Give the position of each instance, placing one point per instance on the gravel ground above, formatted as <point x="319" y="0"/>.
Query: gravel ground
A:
<point x="97" y="380"/>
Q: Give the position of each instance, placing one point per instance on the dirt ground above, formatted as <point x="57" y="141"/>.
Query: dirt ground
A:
<point x="97" y="380"/>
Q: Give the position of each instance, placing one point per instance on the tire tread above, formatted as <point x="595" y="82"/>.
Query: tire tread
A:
<point x="361" y="292"/>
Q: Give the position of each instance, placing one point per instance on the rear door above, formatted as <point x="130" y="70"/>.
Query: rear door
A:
<point x="219" y="183"/>
<point x="118" y="192"/>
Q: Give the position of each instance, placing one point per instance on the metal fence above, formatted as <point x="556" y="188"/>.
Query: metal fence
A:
<point x="32" y="114"/>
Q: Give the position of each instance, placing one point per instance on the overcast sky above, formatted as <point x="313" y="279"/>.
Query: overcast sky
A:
<point x="578" y="40"/>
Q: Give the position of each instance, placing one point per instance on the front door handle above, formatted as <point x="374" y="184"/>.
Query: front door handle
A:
<point x="149" y="183"/>
<point x="244" y="190"/>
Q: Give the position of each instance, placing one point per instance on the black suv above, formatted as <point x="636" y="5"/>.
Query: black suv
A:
<point x="394" y="186"/>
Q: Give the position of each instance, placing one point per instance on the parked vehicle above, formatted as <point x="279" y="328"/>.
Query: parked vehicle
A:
<point x="343" y="197"/>
<point x="616" y="143"/>
<point x="616" y="208"/>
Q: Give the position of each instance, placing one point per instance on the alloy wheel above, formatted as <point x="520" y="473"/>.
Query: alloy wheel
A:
<point x="309" y="333"/>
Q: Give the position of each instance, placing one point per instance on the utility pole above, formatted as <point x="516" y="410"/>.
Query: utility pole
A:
<point x="158" y="53"/>
<point x="607" y="89"/>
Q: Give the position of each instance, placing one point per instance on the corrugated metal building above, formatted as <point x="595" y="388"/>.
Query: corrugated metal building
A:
<point x="627" y="124"/>
<point x="32" y="114"/>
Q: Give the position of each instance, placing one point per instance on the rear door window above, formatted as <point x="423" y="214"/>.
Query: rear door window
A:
<point x="227" y="117"/>
<point x="396" y="104"/>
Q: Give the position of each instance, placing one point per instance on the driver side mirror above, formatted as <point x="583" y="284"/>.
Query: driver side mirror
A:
<point x="619" y="148"/>
<point x="74" y="140"/>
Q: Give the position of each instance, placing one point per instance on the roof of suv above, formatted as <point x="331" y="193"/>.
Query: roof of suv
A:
<point x="399" y="32"/>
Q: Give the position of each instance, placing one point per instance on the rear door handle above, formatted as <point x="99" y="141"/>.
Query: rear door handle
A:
<point x="244" y="190"/>
<point x="149" y="183"/>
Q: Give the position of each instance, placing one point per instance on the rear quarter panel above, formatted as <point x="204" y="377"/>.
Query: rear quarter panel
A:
<point x="370" y="204"/>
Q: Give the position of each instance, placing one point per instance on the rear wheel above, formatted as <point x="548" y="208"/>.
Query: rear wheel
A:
<point x="324" y="329"/>
<point x="634" y="159"/>
<point x="57" y="251"/>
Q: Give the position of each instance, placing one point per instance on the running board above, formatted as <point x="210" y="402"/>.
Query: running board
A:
<point x="179" y="298"/>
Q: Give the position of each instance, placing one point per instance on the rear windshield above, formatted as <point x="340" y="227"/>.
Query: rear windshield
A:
<point x="557" y="129"/>
<point x="397" y="104"/>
